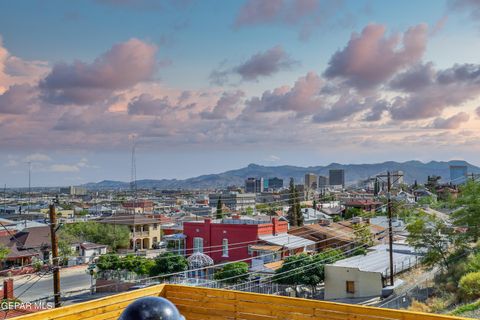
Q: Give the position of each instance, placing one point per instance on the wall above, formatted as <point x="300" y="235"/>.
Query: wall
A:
<point x="367" y="284"/>
<point x="202" y="303"/>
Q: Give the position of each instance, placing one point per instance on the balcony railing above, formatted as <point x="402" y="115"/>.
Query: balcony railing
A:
<point x="201" y="303"/>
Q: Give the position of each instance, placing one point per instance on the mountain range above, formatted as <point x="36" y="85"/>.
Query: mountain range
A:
<point x="413" y="170"/>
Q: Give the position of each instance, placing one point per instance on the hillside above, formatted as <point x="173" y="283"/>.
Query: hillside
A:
<point x="413" y="170"/>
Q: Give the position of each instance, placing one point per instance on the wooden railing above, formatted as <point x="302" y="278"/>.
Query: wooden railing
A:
<point x="212" y="304"/>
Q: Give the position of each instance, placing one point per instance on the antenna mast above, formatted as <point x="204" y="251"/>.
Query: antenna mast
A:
<point x="133" y="176"/>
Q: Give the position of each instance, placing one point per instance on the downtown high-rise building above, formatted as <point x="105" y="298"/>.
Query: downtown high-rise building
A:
<point x="254" y="185"/>
<point x="311" y="181"/>
<point x="336" y="177"/>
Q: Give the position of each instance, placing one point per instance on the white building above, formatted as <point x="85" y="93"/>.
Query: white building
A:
<point x="367" y="275"/>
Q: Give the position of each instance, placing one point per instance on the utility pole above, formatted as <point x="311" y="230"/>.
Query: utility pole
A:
<point x="56" y="269"/>
<point x="5" y="199"/>
<point x="390" y="230"/>
<point x="389" y="177"/>
<point x="29" y="186"/>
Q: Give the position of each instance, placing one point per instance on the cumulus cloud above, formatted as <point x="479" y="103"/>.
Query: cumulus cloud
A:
<point x="372" y="57"/>
<point x="414" y="79"/>
<point x="453" y="122"/>
<point x="306" y="15"/>
<point x="451" y="87"/>
<point x="14" y="70"/>
<point x="148" y="105"/>
<point x="258" y="11"/>
<point x="344" y="107"/>
<point x="225" y="106"/>
<point x="265" y="64"/>
<point x="123" y="66"/>
<point x="18" y="99"/>
<point x="377" y="110"/>
<point x="261" y="64"/>
<point x="472" y="7"/>
<point x="304" y="96"/>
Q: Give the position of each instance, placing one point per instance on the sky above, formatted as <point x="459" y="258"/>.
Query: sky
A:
<point x="205" y="86"/>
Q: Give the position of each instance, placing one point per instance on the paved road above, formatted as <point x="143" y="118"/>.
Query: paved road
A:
<point x="32" y="287"/>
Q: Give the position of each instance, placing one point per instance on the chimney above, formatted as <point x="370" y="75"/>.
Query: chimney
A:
<point x="8" y="289"/>
<point x="274" y="226"/>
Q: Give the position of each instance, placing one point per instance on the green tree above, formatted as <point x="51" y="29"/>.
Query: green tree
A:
<point x="362" y="234"/>
<point x="4" y="251"/>
<point x="469" y="285"/>
<point x="427" y="232"/>
<point x="294" y="214"/>
<point x="249" y="211"/>
<point x="113" y="236"/>
<point x="303" y="269"/>
<point x="315" y="271"/>
<point x="351" y="212"/>
<point x="469" y="215"/>
<point x="109" y="262"/>
<point x="219" y="208"/>
<point x="233" y="273"/>
<point x="293" y="269"/>
<point x="167" y="263"/>
<point x="64" y="250"/>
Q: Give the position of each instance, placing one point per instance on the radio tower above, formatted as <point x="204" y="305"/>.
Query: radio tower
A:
<point x="133" y="176"/>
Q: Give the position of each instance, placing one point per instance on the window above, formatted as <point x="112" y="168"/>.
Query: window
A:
<point x="350" y="287"/>
<point x="225" y="248"/>
<point x="198" y="245"/>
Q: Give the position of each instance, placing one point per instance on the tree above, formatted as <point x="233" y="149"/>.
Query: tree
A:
<point x="233" y="273"/>
<point x="64" y="250"/>
<point x="294" y="215"/>
<point x="4" y="251"/>
<point x="249" y="211"/>
<point x="315" y="271"/>
<point x="469" y="215"/>
<point x="113" y="236"/>
<point x="219" y="208"/>
<point x="303" y="269"/>
<point x="167" y="263"/>
<point x="109" y="262"/>
<point x="362" y="234"/>
<point x="427" y="232"/>
<point x="351" y="212"/>
<point x="293" y="269"/>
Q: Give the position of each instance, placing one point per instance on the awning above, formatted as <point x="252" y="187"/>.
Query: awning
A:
<point x="265" y="248"/>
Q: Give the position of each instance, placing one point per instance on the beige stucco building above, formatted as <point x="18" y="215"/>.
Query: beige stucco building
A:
<point x="145" y="232"/>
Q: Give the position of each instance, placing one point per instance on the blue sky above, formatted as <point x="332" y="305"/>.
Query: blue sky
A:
<point x="79" y="79"/>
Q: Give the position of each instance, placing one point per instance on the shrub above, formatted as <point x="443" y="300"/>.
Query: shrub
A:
<point x="469" y="285"/>
<point x="232" y="273"/>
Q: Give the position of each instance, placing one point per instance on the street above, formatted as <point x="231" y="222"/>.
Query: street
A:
<point x="32" y="287"/>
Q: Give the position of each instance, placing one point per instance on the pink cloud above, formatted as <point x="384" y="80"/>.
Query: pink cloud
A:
<point x="258" y="11"/>
<point x="18" y="99"/>
<point x="261" y="64"/>
<point x="372" y="57"/>
<point x="453" y="122"/>
<point x="121" y="67"/>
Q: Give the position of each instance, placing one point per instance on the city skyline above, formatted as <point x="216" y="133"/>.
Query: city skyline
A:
<point x="223" y="84"/>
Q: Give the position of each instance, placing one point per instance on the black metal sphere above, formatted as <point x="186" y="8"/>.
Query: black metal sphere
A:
<point x="151" y="308"/>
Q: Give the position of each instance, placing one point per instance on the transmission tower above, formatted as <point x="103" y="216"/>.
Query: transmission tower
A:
<point x="133" y="175"/>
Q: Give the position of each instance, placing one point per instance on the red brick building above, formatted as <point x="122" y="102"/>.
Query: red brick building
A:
<point x="237" y="238"/>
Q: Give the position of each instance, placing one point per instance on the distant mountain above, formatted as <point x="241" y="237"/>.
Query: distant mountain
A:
<point x="413" y="170"/>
